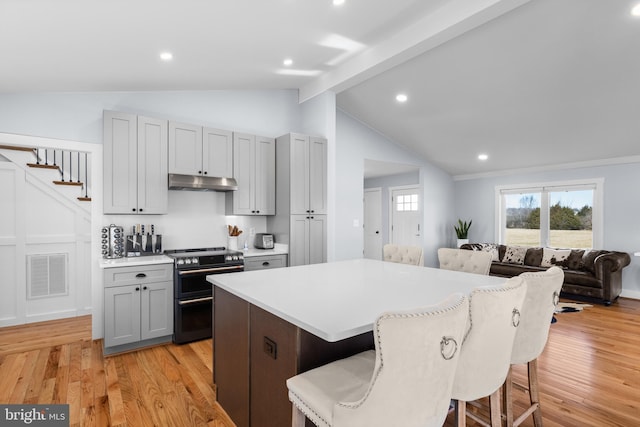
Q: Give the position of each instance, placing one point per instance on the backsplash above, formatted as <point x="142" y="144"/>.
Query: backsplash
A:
<point x="195" y="219"/>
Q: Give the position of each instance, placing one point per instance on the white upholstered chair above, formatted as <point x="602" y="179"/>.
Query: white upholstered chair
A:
<point x="403" y="254"/>
<point x="478" y="262"/>
<point x="405" y="382"/>
<point x="543" y="291"/>
<point x="485" y="356"/>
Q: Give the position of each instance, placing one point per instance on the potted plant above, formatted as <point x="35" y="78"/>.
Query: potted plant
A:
<point x="462" y="231"/>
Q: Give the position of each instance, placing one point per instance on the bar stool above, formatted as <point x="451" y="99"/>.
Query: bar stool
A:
<point x="543" y="293"/>
<point x="485" y="357"/>
<point x="478" y="262"/>
<point x="406" y="382"/>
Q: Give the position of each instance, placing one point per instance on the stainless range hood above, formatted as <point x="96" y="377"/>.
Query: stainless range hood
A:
<point x="201" y="183"/>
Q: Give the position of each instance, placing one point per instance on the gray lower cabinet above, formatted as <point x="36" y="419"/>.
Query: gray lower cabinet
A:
<point x="138" y="306"/>
<point x="265" y="262"/>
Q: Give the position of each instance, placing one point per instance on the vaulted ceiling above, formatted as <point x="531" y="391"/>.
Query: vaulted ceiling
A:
<point x="530" y="83"/>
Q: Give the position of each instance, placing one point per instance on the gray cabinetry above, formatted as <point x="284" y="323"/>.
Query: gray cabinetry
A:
<point x="135" y="164"/>
<point x="301" y="198"/>
<point x="265" y="262"/>
<point x="138" y="306"/>
<point x="254" y="163"/>
<point x="194" y="150"/>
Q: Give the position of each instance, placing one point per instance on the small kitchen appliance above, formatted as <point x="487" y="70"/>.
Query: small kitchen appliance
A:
<point x="112" y="241"/>
<point x="193" y="294"/>
<point x="264" y="241"/>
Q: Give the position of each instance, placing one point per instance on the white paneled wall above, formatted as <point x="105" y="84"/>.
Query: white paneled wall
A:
<point x="35" y="221"/>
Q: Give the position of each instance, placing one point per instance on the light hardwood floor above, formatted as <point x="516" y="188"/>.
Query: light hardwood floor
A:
<point x="589" y="374"/>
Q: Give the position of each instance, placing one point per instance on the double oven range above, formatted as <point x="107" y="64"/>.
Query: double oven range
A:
<point x="193" y="295"/>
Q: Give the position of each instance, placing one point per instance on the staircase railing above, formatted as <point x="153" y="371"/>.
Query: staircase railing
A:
<point x="74" y="167"/>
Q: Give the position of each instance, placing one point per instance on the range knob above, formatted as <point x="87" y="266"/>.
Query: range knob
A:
<point x="187" y="261"/>
<point x="194" y="260"/>
<point x="180" y="261"/>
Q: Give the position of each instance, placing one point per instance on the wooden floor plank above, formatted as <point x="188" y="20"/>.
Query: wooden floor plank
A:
<point x="589" y="374"/>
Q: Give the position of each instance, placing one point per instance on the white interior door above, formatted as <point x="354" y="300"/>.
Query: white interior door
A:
<point x="372" y="226"/>
<point x="405" y="216"/>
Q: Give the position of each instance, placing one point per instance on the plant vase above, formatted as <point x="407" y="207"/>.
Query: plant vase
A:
<point x="462" y="242"/>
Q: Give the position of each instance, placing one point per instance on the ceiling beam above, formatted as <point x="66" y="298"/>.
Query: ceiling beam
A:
<point x="455" y="18"/>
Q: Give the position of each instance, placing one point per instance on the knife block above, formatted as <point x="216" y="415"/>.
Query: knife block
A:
<point x="144" y="244"/>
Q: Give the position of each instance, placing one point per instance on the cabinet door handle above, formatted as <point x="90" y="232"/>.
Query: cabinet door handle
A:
<point x="144" y="288"/>
<point x="140" y="210"/>
<point x="141" y="275"/>
<point x="133" y="210"/>
<point x="137" y="289"/>
<point x="266" y="263"/>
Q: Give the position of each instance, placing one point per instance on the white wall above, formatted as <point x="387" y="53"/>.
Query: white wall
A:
<point x="474" y="199"/>
<point x="357" y="142"/>
<point x="384" y="183"/>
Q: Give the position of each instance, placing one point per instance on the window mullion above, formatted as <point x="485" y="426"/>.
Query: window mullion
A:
<point x="545" y="221"/>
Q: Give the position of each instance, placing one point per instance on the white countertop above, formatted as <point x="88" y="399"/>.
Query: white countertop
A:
<point x="135" y="261"/>
<point x="278" y="249"/>
<point x="342" y="299"/>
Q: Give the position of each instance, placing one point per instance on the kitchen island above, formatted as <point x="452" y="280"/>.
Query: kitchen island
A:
<point x="270" y="325"/>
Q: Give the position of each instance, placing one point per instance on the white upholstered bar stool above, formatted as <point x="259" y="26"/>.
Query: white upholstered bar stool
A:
<point x="405" y="382"/>
<point x="412" y="255"/>
<point x="543" y="292"/>
<point x="485" y="356"/>
<point x="478" y="262"/>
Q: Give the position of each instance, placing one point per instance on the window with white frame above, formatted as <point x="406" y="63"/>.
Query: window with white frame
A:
<point x="407" y="202"/>
<point x="558" y="214"/>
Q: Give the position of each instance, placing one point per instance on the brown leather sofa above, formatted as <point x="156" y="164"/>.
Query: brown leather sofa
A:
<point x="590" y="274"/>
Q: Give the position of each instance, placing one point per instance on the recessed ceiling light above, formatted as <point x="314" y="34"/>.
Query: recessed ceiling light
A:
<point x="288" y="62"/>
<point x="166" y="56"/>
<point x="401" y="97"/>
<point x="482" y="157"/>
<point x="636" y="10"/>
<point x="338" y="2"/>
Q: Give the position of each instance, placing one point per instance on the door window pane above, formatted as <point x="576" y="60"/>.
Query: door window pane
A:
<point x="407" y="202"/>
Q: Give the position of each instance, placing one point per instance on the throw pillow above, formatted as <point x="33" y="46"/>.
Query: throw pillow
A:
<point x="553" y="257"/>
<point x="533" y="257"/>
<point x="589" y="258"/>
<point x="514" y="255"/>
<point x="574" y="261"/>
<point x="492" y="249"/>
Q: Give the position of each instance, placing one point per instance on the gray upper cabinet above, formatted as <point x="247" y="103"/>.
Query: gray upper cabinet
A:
<point x="301" y="198"/>
<point x="194" y="150"/>
<point x="135" y="164"/>
<point x="254" y="163"/>
<point x="308" y="174"/>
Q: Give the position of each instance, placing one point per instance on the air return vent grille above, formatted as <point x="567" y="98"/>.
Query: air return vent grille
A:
<point x="46" y="275"/>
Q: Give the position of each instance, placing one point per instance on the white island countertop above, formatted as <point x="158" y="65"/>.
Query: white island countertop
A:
<point x="342" y="299"/>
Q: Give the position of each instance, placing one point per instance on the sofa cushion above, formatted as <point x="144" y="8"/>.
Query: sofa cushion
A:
<point x="582" y="278"/>
<point x="551" y="257"/>
<point x="574" y="261"/>
<point x="509" y="270"/>
<point x="514" y="255"/>
<point x="533" y="257"/>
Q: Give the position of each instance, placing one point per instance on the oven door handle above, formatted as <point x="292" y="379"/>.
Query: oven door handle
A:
<point x="210" y="270"/>
<point x="193" y="301"/>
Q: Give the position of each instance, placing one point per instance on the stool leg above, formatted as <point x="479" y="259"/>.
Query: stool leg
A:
<point x="494" y="405"/>
<point x="534" y="396"/>
<point x="508" y="398"/>
<point x="297" y="417"/>
<point x="461" y="413"/>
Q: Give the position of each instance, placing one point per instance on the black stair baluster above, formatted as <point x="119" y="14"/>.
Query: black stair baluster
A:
<point x="70" y="167"/>
<point x="78" y="172"/>
<point x="38" y="156"/>
<point x="62" y="168"/>
<point x="46" y="157"/>
<point x="86" y="176"/>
